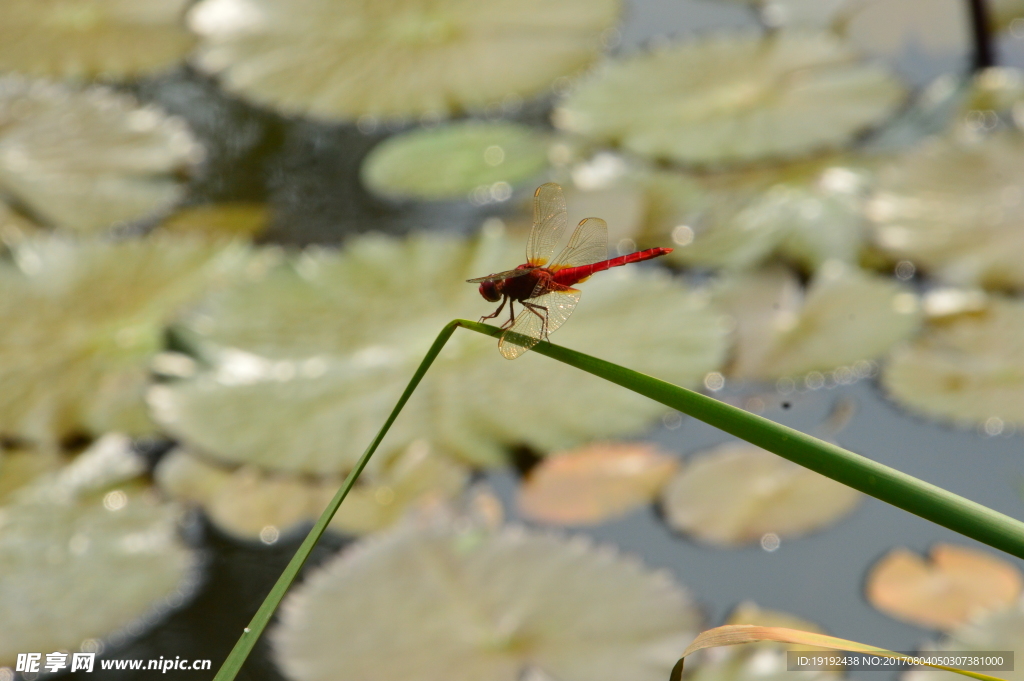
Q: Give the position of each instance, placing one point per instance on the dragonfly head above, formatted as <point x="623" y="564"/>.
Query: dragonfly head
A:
<point x="489" y="290"/>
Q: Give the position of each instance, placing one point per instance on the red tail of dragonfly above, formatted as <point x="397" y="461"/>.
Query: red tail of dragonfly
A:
<point x="542" y="286"/>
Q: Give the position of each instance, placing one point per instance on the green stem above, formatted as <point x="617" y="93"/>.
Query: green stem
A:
<point x="899" y="489"/>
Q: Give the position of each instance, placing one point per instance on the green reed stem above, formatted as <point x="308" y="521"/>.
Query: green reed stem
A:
<point x="888" y="484"/>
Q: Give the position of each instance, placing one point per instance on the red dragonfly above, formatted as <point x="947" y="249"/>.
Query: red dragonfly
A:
<point x="545" y="290"/>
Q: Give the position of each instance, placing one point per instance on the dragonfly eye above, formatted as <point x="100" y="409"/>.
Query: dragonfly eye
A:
<point x="489" y="290"/>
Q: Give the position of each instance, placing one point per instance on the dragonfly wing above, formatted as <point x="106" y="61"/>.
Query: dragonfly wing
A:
<point x="507" y="274"/>
<point x="589" y="244"/>
<point x="543" y="316"/>
<point x="549" y="223"/>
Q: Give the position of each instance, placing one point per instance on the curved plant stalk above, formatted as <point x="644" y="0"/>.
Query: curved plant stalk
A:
<point x="734" y="634"/>
<point x="899" y="489"/>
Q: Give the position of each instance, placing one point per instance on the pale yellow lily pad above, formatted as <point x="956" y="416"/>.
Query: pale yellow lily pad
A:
<point x="89" y="159"/>
<point x="220" y="220"/>
<point x="81" y="322"/>
<point x="309" y="360"/>
<point x="953" y="588"/>
<point x="92" y="38"/>
<point x="246" y="501"/>
<point x="761" y="661"/>
<point x="808" y="212"/>
<point x="437" y="603"/>
<point x="451" y="161"/>
<point x="965" y="368"/>
<point x="735" y="494"/>
<point x="733" y="98"/>
<point x="955" y="207"/>
<point x="343" y="60"/>
<point x="844" y="316"/>
<point x="594" y="483"/>
<point x="998" y="630"/>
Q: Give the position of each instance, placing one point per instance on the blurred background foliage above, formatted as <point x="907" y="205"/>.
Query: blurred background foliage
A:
<point x="230" y="229"/>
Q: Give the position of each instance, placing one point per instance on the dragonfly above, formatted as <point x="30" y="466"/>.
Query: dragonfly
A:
<point x="543" y="286"/>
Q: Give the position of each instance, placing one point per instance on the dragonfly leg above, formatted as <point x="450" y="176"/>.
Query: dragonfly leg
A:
<point x="511" y="315"/>
<point x="496" y="312"/>
<point x="543" y="317"/>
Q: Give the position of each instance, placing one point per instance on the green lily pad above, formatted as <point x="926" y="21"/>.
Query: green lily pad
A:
<point x="308" y="361"/>
<point x="737" y="493"/>
<point x="733" y="98"/>
<point x="343" y="60"/>
<point x="220" y="220"/>
<point x="843" y="317"/>
<point x="443" y="604"/>
<point x="451" y="161"/>
<point x="954" y="207"/>
<point x="89" y="159"/>
<point x="965" y="368"/>
<point x="82" y="321"/>
<point x="92" y="38"/>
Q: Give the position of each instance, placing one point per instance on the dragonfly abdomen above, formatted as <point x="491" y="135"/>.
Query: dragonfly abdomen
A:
<point x="573" y="275"/>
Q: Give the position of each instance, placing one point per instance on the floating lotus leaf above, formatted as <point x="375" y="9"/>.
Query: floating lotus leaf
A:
<point x="20" y="467"/>
<point x="955" y="207"/>
<point x="439" y="604"/>
<point x="220" y="220"/>
<point x="999" y="630"/>
<point x="594" y="483"/>
<point x="845" y="315"/>
<point x="807" y="212"/>
<point x="14" y="228"/>
<point x="245" y="501"/>
<point x="950" y="590"/>
<point x="88" y="159"/>
<point x="310" y="359"/>
<point x="81" y="322"/>
<point x="451" y="161"/>
<point x="733" y="98"/>
<point x="90" y="38"/>
<point x="761" y="661"/>
<point x="966" y="368"/>
<point x="86" y="569"/>
<point x="348" y="59"/>
<point x="736" y="493"/>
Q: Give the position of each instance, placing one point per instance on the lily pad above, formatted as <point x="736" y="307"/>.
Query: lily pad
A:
<point x="762" y="661"/>
<point x="246" y="501"/>
<point x="845" y="315"/>
<point x="92" y="38"/>
<point x="808" y="212"/>
<point x="966" y="368"/>
<point x="735" y="494"/>
<point x="343" y="60"/>
<point x="89" y="159"/>
<point x="439" y="604"/>
<point x="997" y="630"/>
<point x="220" y="220"/>
<point x="81" y="322"/>
<point x="734" y="98"/>
<point x="451" y="161"/>
<point x="956" y="586"/>
<point x="308" y="361"/>
<point x="87" y="569"/>
<point x="594" y="483"/>
<point x="954" y="207"/>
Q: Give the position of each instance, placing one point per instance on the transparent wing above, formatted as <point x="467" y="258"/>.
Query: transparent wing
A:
<point x="549" y="312"/>
<point x="507" y="274"/>
<point x="549" y="222"/>
<point x="589" y="244"/>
